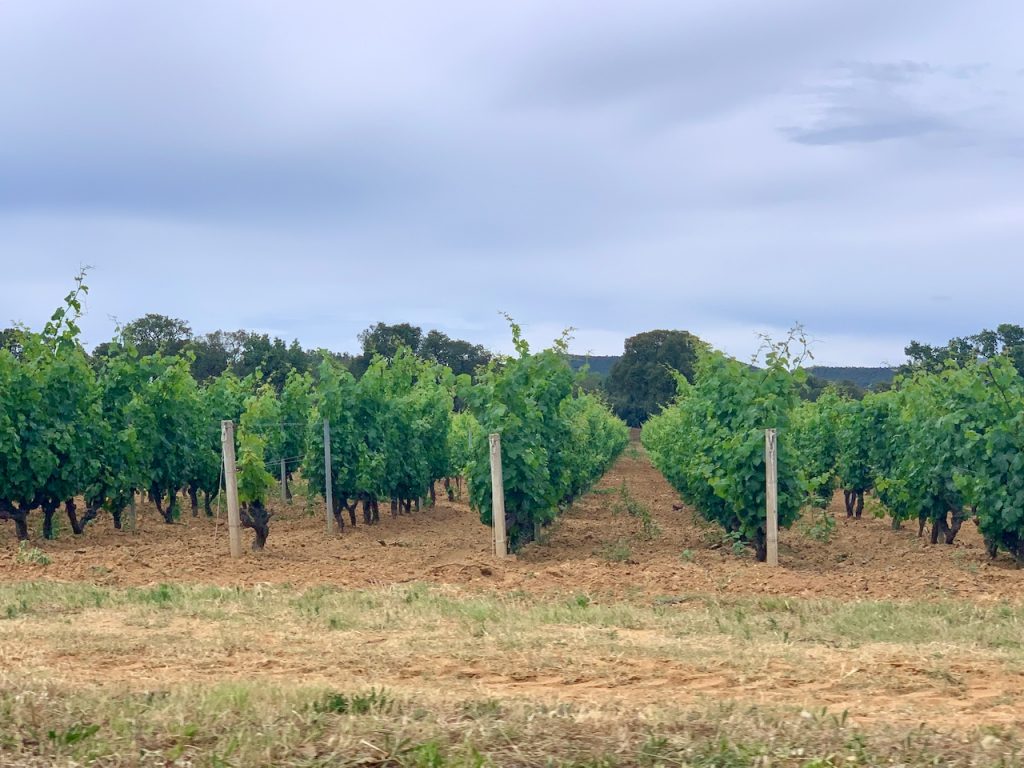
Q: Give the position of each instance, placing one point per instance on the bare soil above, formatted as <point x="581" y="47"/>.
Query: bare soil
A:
<point x="458" y="652"/>
<point x="595" y="548"/>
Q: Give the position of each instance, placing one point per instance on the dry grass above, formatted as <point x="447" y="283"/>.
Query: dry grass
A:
<point x="432" y="676"/>
<point x="247" y="724"/>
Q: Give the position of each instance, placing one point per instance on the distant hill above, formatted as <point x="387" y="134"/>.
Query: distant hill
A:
<point x="600" y="365"/>
<point x="862" y="377"/>
<point x="865" y="378"/>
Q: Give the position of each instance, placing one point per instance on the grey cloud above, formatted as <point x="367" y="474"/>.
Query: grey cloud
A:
<point x="892" y="71"/>
<point x="695" y="60"/>
<point x="863" y="129"/>
<point x="615" y="167"/>
<point x="867" y="102"/>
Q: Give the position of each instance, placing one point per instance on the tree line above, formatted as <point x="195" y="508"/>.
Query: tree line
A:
<point x="246" y="352"/>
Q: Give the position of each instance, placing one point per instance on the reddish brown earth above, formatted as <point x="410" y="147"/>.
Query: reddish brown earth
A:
<point x="595" y="548"/>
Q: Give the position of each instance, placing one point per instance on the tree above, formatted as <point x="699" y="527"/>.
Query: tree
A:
<point x="245" y="353"/>
<point x="13" y="340"/>
<point x="268" y="356"/>
<point x="385" y="340"/>
<point x="154" y="333"/>
<point x="461" y="357"/>
<point x="1006" y="341"/>
<point x="642" y="382"/>
<point x="210" y="356"/>
<point x="816" y="386"/>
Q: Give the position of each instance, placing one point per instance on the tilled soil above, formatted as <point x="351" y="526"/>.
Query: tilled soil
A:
<point x="595" y="548"/>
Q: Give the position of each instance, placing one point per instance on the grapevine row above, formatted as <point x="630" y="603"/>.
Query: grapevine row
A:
<point x="942" y="447"/>
<point x="96" y="432"/>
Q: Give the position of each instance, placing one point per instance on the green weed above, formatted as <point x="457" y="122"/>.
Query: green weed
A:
<point x="30" y="554"/>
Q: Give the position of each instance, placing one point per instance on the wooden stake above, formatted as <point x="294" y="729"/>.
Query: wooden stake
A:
<point x="498" y="498"/>
<point x="328" y="490"/>
<point x="132" y="514"/>
<point x="772" y="495"/>
<point x="227" y="441"/>
<point x="284" y="481"/>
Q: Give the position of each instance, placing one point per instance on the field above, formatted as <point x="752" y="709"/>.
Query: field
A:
<point x="630" y="635"/>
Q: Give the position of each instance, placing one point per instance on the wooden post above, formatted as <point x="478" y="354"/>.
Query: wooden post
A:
<point x="284" y="481"/>
<point x="772" y="494"/>
<point x="328" y="490"/>
<point x="132" y="514"/>
<point x="498" y="498"/>
<point x="227" y="441"/>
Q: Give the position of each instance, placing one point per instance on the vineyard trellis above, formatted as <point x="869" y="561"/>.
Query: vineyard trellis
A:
<point x="943" y="447"/>
<point x="105" y="431"/>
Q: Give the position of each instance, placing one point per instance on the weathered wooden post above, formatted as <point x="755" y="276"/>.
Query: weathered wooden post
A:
<point x="328" y="490"/>
<point x="227" y="440"/>
<point x="772" y="494"/>
<point x="498" y="498"/>
<point x="284" y="481"/>
<point x="133" y="517"/>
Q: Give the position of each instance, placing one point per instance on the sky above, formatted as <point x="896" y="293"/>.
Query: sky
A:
<point x="729" y="168"/>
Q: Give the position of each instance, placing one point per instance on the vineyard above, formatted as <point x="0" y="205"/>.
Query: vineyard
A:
<point x="93" y="438"/>
<point x="941" y="449"/>
<point x="635" y="623"/>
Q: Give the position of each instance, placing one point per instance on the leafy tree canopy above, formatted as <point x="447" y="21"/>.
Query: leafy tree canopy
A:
<point x="641" y="382"/>
<point x="385" y="340"/>
<point x="154" y="333"/>
<point x="1006" y="340"/>
<point x="460" y="356"/>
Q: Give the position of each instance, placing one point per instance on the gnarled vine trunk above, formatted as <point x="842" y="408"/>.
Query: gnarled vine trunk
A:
<point x="77" y="526"/>
<point x="49" y="508"/>
<point x="19" y="516"/>
<point x="760" y="543"/>
<point x="256" y="516"/>
<point x="854" y="501"/>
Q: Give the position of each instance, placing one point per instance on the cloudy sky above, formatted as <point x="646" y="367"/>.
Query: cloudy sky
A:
<point x="309" y="168"/>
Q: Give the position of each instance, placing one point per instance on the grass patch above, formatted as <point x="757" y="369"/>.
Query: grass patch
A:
<point x="998" y="626"/>
<point x="30" y="554"/>
<point x="617" y="551"/>
<point x="259" y="725"/>
<point x="409" y="666"/>
<point x="628" y="504"/>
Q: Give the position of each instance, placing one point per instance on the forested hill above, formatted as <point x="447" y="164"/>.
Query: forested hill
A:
<point x="599" y="364"/>
<point x="862" y="377"/>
